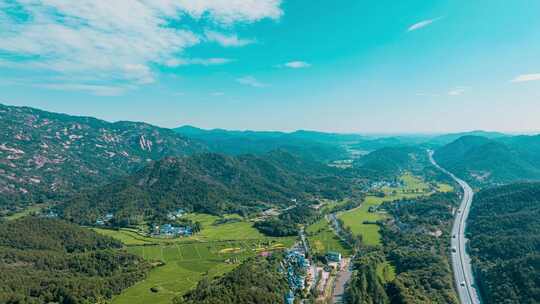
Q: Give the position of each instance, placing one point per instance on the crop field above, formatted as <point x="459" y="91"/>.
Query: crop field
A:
<point x="217" y="249"/>
<point x="187" y="263"/>
<point x="323" y="239"/>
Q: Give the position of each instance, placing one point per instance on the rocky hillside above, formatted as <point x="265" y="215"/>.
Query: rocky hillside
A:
<point x="46" y="155"/>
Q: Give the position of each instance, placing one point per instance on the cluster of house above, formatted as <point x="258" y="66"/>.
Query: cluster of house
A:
<point x="174" y="215"/>
<point x="169" y="230"/>
<point x="390" y="184"/>
<point x="295" y="265"/>
<point x="101" y="221"/>
<point x="49" y="214"/>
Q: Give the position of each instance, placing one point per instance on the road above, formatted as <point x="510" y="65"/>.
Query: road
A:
<point x="345" y="273"/>
<point x="342" y="278"/>
<point x="461" y="262"/>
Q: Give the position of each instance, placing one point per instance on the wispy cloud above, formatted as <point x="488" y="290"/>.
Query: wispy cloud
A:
<point x="251" y="81"/>
<point x="175" y="62"/>
<point x="458" y="91"/>
<point x="230" y="40"/>
<point x="427" y="94"/>
<point x="422" y="24"/>
<point x="117" y="40"/>
<point x="296" y="65"/>
<point x="527" y="77"/>
<point x="98" y="90"/>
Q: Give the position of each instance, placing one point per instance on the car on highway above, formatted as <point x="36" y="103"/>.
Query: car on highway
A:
<point x="454" y="249"/>
<point x="462" y="284"/>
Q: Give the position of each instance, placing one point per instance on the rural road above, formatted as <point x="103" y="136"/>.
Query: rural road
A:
<point x="461" y="262"/>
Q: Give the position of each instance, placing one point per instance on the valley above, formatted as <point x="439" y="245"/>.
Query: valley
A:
<point x="200" y="214"/>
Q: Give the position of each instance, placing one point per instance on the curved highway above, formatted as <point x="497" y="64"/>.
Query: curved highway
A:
<point x="461" y="262"/>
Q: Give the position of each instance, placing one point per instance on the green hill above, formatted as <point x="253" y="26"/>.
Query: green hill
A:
<point x="210" y="183"/>
<point x="502" y="160"/>
<point x="504" y="233"/>
<point x="51" y="261"/>
<point x="390" y="161"/>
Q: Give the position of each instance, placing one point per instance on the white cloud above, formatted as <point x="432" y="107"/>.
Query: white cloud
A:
<point x="175" y="62"/>
<point x="427" y="94"/>
<point x="457" y="91"/>
<point x="99" y="90"/>
<point x="251" y="81"/>
<point x="120" y="40"/>
<point x="230" y="40"/>
<point x="527" y="77"/>
<point x="422" y="24"/>
<point x="297" y="64"/>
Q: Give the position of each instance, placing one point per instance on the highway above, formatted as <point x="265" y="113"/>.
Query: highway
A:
<point x="461" y="262"/>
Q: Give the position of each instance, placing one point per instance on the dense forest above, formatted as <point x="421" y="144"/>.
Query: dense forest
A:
<point x="415" y="241"/>
<point x="257" y="280"/>
<point x="286" y="224"/>
<point x="211" y="183"/>
<point x="51" y="261"/>
<point x="390" y="161"/>
<point x="483" y="161"/>
<point x="504" y="233"/>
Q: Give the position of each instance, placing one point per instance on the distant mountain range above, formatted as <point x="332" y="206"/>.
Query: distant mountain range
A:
<point x="500" y="160"/>
<point x="308" y="144"/>
<point x="49" y="156"/>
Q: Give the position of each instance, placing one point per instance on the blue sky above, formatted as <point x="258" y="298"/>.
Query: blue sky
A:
<point x="347" y="66"/>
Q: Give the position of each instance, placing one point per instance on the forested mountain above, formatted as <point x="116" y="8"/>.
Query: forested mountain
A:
<point x="50" y="261"/>
<point x="257" y="280"/>
<point x="504" y="233"/>
<point x="47" y="155"/>
<point x="391" y="160"/>
<point x="211" y="183"/>
<point x="502" y="160"/>
<point x="445" y="139"/>
<point x="307" y="144"/>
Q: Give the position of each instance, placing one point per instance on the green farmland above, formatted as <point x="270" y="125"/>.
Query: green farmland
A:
<point x="361" y="221"/>
<point x="323" y="239"/>
<point x="217" y="249"/>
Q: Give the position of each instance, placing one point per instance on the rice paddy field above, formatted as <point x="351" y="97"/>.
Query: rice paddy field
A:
<point x="217" y="249"/>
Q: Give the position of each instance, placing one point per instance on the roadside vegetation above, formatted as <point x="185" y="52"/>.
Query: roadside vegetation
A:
<point x="504" y="233"/>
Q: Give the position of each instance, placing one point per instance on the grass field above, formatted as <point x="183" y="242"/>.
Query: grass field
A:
<point x="323" y="239"/>
<point x="355" y="218"/>
<point x="187" y="260"/>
